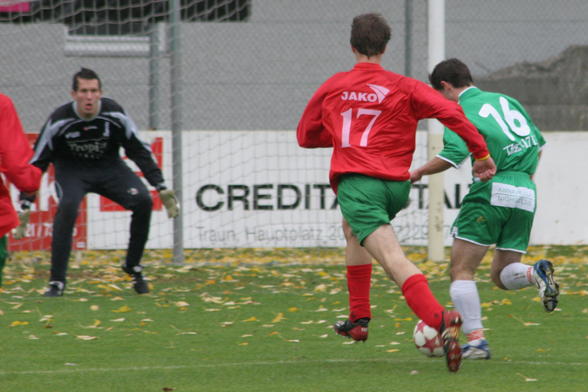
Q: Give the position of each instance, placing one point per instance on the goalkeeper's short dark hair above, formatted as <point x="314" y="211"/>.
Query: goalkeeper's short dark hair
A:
<point x="87" y="74"/>
<point x="370" y="34"/>
<point x="453" y="71"/>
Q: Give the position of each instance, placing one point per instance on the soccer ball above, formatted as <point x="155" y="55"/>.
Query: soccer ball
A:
<point x="427" y="340"/>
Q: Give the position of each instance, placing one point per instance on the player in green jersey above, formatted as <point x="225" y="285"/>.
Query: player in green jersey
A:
<point x="499" y="211"/>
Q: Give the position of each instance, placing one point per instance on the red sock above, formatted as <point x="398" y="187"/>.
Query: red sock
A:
<point x="359" y="279"/>
<point x="421" y="300"/>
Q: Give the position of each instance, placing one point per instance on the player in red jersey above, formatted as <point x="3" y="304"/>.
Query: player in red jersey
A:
<point x="369" y="117"/>
<point x="15" y="152"/>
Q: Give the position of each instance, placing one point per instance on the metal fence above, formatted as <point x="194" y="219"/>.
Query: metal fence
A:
<point x="250" y="64"/>
<point x="258" y="74"/>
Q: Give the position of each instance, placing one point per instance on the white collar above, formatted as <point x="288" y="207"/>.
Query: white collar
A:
<point x="463" y="91"/>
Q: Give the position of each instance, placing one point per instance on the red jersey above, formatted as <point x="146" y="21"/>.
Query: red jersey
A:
<point x="369" y="116"/>
<point x="15" y="152"/>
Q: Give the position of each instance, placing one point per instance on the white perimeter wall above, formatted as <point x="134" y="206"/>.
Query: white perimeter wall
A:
<point x="264" y="191"/>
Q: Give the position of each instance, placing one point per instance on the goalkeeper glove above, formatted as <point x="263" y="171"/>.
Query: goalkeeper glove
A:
<point x="168" y="198"/>
<point x="24" y="215"/>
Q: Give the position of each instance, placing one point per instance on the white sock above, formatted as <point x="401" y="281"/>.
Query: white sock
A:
<point x="516" y="276"/>
<point x="464" y="295"/>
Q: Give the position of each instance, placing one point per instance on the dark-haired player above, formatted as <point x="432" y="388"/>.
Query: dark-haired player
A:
<point x="83" y="139"/>
<point x="499" y="211"/>
<point x="369" y="116"/>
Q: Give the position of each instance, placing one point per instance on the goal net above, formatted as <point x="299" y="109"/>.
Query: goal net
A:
<point x="246" y="183"/>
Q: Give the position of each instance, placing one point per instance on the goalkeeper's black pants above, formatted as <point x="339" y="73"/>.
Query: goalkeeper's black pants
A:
<point x="116" y="182"/>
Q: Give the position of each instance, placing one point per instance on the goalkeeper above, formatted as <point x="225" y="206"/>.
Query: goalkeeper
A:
<point x="82" y="139"/>
<point x="500" y="211"/>
<point x="15" y="151"/>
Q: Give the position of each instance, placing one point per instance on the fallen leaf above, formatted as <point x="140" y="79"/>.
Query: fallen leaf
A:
<point x="527" y="379"/>
<point x="86" y="337"/>
<point x="122" y="309"/>
<point x="278" y="318"/>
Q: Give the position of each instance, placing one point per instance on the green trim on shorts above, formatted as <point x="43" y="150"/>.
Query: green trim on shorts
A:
<point x="368" y="202"/>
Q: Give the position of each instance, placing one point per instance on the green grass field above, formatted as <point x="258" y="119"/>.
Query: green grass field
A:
<point x="260" y="320"/>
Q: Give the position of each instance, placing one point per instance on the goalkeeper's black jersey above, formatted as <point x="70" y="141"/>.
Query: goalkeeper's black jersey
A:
<point x="70" y="140"/>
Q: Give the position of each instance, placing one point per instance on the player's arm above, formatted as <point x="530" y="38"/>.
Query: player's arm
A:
<point x="15" y="150"/>
<point x="540" y="140"/>
<point x="42" y="156"/>
<point x="453" y="154"/>
<point x="435" y="165"/>
<point x="140" y="153"/>
<point x="310" y="132"/>
<point x="428" y="103"/>
<point x="43" y="149"/>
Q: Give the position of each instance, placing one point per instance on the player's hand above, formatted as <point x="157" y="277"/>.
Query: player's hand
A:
<point x="416" y="176"/>
<point x="484" y="169"/>
<point x="20" y="231"/>
<point x="168" y="198"/>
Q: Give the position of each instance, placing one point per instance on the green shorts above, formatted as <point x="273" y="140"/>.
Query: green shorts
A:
<point x="368" y="202"/>
<point x="3" y="248"/>
<point x="500" y="212"/>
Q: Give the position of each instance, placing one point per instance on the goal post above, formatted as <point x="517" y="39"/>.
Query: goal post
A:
<point x="436" y="50"/>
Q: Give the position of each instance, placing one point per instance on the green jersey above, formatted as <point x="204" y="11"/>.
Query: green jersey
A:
<point x="513" y="140"/>
<point x="499" y="211"/>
